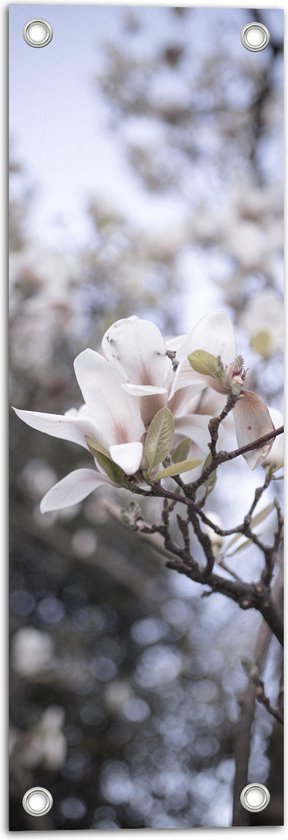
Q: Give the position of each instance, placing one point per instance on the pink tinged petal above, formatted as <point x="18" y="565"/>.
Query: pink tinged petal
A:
<point x="74" y="427"/>
<point x="213" y="333"/>
<point x="116" y="415"/>
<point x="137" y="349"/>
<point x="195" y="427"/>
<point x="174" y="344"/>
<point x="252" y="421"/>
<point x="185" y="377"/>
<point x="276" y="454"/>
<point x="128" y="456"/>
<point x="72" y="489"/>
<point x="151" y="399"/>
<point x="185" y="401"/>
<point x="142" y="390"/>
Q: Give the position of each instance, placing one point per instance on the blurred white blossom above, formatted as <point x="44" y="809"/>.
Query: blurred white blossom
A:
<point x="263" y="321"/>
<point x="32" y="651"/>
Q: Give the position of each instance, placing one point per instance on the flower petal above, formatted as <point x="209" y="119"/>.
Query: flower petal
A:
<point x="142" y="390"/>
<point x="74" y="426"/>
<point x="194" y="426"/>
<point x="116" y="415"/>
<point x="213" y="333"/>
<point x="185" y="377"/>
<point x="252" y="421"/>
<point x="276" y="454"/>
<point x="72" y="489"/>
<point x="175" y="343"/>
<point x="137" y="349"/>
<point x="128" y="456"/>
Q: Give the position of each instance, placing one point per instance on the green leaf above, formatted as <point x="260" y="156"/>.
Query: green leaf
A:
<point x="95" y="448"/>
<point x="239" y="548"/>
<point x="177" y="469"/>
<point x="260" y="517"/>
<point x="274" y="469"/>
<point x="247" y="665"/>
<point x="111" y="469"/>
<point x="205" y="363"/>
<point x="278" y="467"/>
<point x="181" y="452"/>
<point x="159" y="438"/>
<point x="256" y="520"/>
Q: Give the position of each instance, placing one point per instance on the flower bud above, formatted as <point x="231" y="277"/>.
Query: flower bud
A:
<point x="215" y="539"/>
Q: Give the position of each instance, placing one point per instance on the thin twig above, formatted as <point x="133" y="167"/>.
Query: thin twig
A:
<point x="255" y="444"/>
<point x="183" y="526"/>
<point x="222" y="563"/>
<point x="223" y="457"/>
<point x="215" y="422"/>
<point x="204" y="541"/>
<point x="257" y="495"/>
<point x="262" y="698"/>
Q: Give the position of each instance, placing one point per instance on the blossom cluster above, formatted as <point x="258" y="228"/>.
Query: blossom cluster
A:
<point x="141" y="417"/>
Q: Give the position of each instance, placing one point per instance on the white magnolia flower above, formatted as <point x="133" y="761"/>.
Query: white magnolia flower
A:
<point x="222" y="369"/>
<point x="109" y="418"/>
<point x="124" y="391"/>
<point x="264" y="323"/>
<point x="137" y="349"/>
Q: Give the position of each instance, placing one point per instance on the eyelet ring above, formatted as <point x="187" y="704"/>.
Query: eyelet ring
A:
<point x="37" y="801"/>
<point x="255" y="797"/>
<point x="255" y="36"/>
<point x="37" y="33"/>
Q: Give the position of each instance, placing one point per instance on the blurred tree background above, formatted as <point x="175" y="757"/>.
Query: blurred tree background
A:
<point x="124" y="681"/>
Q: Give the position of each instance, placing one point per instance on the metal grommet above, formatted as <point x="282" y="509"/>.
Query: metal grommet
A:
<point x="37" y="33"/>
<point x="37" y="801"/>
<point x="255" y="797"/>
<point x="255" y="36"/>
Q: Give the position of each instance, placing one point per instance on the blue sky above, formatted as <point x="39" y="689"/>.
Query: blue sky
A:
<point x="54" y="119"/>
<point x="58" y="118"/>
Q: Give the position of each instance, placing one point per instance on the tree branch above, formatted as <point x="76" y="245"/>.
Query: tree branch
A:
<point x="215" y="422"/>
<point x="243" y="735"/>
<point x="255" y="444"/>
<point x="262" y="698"/>
<point x="223" y="457"/>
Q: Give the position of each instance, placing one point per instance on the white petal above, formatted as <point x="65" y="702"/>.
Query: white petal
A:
<point x="72" y="489"/>
<point x="213" y="333"/>
<point x="186" y="377"/>
<point x="128" y="456"/>
<point x="195" y="427"/>
<point x="72" y="427"/>
<point x="116" y="415"/>
<point x="184" y="402"/>
<point x="252" y="421"/>
<point x="175" y="343"/>
<point x="142" y="390"/>
<point x="137" y="348"/>
<point x="276" y="454"/>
